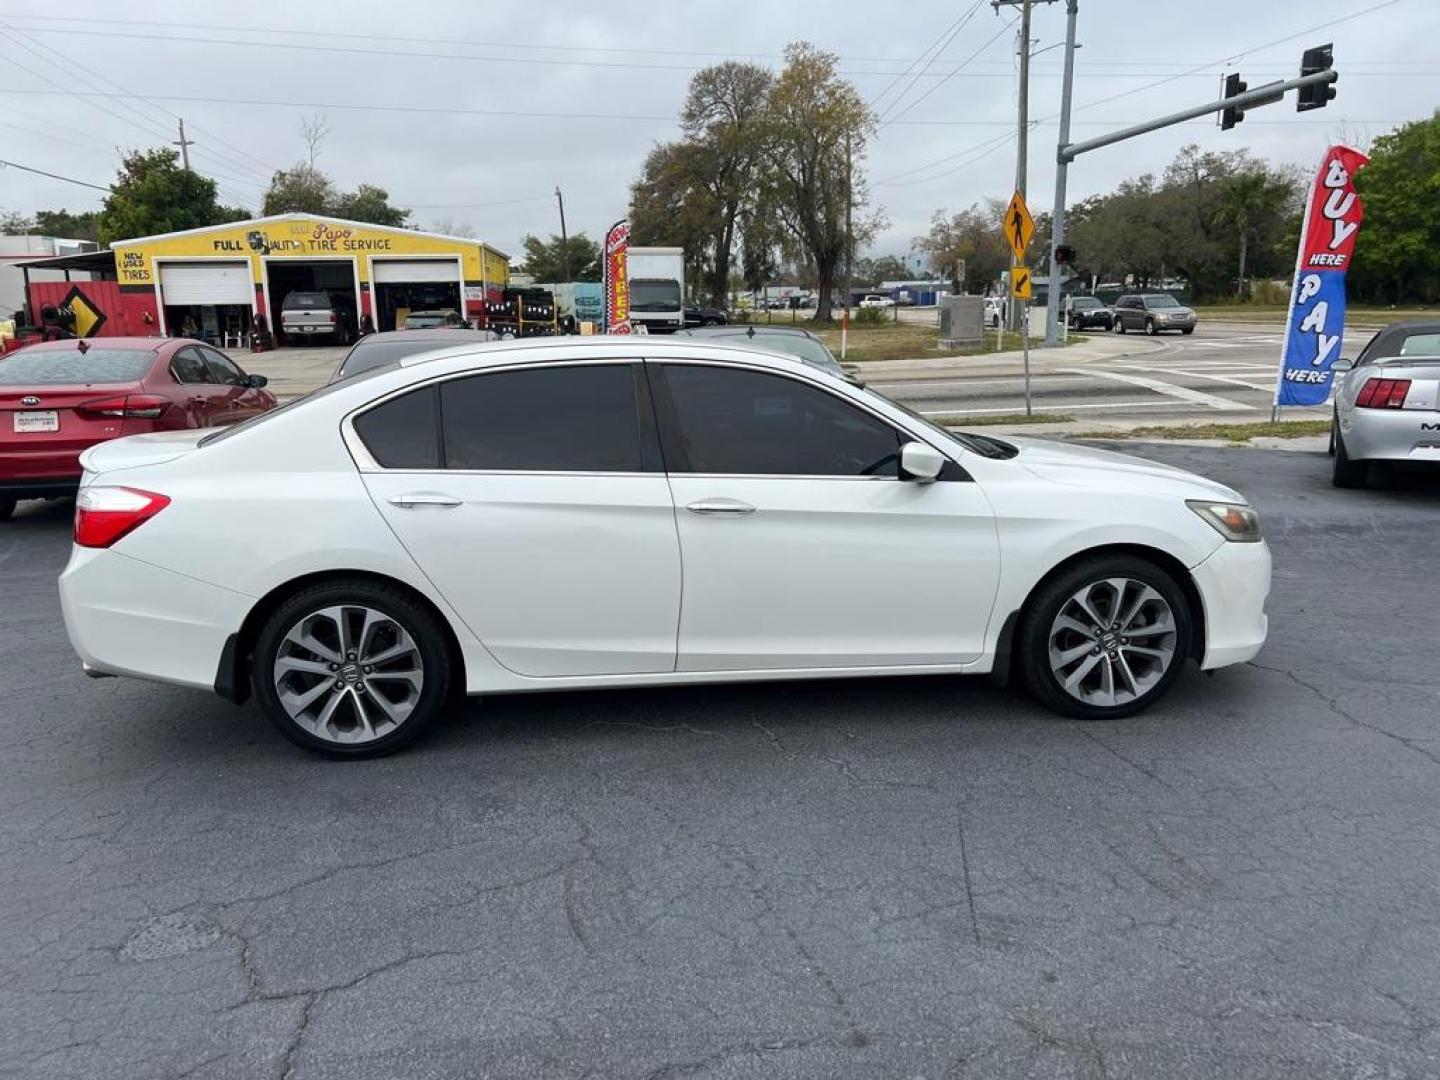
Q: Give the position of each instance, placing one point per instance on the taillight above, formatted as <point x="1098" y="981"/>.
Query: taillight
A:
<point x="331" y="317"/>
<point x="1383" y="394"/>
<point x="104" y="514"/>
<point x="129" y="406"/>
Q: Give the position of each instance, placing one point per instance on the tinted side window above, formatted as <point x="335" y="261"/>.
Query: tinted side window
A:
<point x="188" y="367"/>
<point x="732" y="421"/>
<point x="561" y="419"/>
<point x="402" y="433"/>
<point x="222" y="369"/>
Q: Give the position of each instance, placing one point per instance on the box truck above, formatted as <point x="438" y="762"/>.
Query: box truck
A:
<point x="657" y="277"/>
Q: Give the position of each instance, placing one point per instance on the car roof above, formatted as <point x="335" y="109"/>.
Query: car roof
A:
<point x="620" y="346"/>
<point x="746" y="329"/>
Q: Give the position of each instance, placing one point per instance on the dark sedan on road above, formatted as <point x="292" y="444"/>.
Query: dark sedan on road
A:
<point x="59" y="398"/>
<point x="705" y="316"/>
<point x="1152" y="313"/>
<point x="1088" y="311"/>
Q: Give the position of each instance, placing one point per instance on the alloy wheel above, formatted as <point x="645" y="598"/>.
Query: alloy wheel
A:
<point x="348" y="674"/>
<point x="1112" y="641"/>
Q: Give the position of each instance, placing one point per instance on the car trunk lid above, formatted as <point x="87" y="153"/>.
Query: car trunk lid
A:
<point x="48" y="417"/>
<point x="137" y="450"/>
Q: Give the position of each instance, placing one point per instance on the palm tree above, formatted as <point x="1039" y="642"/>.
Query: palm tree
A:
<point x="1247" y="198"/>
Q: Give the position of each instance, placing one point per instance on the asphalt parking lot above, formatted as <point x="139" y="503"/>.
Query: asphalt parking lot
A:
<point x="910" y="878"/>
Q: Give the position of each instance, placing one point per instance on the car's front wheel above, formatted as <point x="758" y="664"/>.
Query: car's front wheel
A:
<point x="352" y="669"/>
<point x="7" y="508"/>
<point x="1119" y="325"/>
<point x="1105" y="638"/>
<point x="1151" y="328"/>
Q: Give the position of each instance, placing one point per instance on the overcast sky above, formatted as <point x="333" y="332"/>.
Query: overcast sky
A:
<point x="492" y="105"/>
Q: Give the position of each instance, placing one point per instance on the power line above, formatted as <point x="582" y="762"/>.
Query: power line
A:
<point x="1003" y="30"/>
<point x="53" y="176"/>
<point x="934" y="49"/>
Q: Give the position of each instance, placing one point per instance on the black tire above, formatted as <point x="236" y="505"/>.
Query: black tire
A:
<point x="1345" y="473"/>
<point x="422" y="626"/>
<point x="7" y="508"/>
<point x="1334" y="434"/>
<point x="1187" y="330"/>
<point x="1032" y="633"/>
<point x="1150" y="327"/>
<point x="1119" y="325"/>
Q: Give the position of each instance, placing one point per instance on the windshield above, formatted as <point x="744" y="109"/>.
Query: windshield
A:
<point x="420" y="322"/>
<point x="58" y="367"/>
<point x="305" y="301"/>
<point x="1084" y="302"/>
<point x="799" y="346"/>
<point x="1161" y="301"/>
<point x="654" y="294"/>
<point x="374" y="352"/>
<point x="979" y="444"/>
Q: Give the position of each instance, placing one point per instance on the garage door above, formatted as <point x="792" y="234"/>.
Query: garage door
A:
<point x="396" y="271"/>
<point x="206" y="283"/>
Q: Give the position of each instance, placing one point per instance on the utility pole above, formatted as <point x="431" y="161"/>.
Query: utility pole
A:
<point x="1057" y="214"/>
<point x="184" y="145"/>
<point x="564" y="242"/>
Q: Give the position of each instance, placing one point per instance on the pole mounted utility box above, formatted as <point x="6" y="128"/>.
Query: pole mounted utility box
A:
<point x="962" y="321"/>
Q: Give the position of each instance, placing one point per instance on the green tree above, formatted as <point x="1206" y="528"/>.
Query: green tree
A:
<point x="303" y="189"/>
<point x="545" y="259"/>
<point x="1249" y="199"/>
<point x="671" y="205"/>
<point x="1395" y="249"/>
<point x="153" y="194"/>
<point x="872" y="271"/>
<point x="968" y="246"/>
<point x="372" y="204"/>
<point x="82" y="226"/>
<point x="14" y="223"/>
<point x="815" y="134"/>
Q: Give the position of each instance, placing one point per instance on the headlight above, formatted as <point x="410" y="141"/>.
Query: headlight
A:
<point x="1233" y="521"/>
<point x="1162" y="317"/>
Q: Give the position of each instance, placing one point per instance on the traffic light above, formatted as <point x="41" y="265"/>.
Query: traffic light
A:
<point x="1230" y="115"/>
<point x="1320" y="58"/>
<point x="1064" y="254"/>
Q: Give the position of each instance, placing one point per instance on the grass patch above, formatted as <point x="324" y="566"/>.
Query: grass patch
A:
<point x="892" y="341"/>
<point x="1238" y="434"/>
<point x="996" y="419"/>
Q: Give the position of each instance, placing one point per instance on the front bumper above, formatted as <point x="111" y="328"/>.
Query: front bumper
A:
<point x="127" y="617"/>
<point x="1234" y="583"/>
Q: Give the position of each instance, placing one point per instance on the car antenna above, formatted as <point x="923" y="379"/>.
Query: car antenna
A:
<point x="750" y="332"/>
<point x="83" y="347"/>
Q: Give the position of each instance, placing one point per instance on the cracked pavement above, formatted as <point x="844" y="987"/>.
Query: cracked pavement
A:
<point x="919" y="878"/>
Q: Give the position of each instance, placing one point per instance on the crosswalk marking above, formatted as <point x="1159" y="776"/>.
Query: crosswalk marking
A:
<point x="1184" y="393"/>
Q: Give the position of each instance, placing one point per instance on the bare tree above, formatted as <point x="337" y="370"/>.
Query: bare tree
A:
<point x="313" y="129"/>
<point x="449" y="226"/>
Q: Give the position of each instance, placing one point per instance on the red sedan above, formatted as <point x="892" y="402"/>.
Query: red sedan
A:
<point x="60" y="397"/>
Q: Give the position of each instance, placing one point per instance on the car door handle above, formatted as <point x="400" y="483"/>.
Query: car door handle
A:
<point x="425" y="498"/>
<point x="720" y="506"/>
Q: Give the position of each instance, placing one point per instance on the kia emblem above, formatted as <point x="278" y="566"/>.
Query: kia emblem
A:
<point x="30" y="400"/>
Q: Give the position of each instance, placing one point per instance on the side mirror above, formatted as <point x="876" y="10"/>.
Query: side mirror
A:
<point x="255" y="382"/>
<point x="1343" y="365"/>
<point x="920" y="462"/>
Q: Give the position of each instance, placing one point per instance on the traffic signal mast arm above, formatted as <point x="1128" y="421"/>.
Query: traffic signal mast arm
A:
<point x="1261" y="95"/>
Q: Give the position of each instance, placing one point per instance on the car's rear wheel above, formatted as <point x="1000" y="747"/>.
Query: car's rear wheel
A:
<point x="1106" y="638"/>
<point x="7" y="508"/>
<point x="352" y="669"/>
<point x="1345" y="473"/>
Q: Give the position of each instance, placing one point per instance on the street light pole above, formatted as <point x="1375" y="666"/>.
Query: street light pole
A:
<point x="1057" y="215"/>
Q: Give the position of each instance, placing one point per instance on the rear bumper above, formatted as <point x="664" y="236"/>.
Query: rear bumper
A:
<point x="127" y="617"/>
<point x="1234" y="583"/>
<point x="1391" y="435"/>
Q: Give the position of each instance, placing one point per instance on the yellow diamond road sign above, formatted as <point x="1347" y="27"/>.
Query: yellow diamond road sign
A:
<point x="1019" y="225"/>
<point x="1020" y="282"/>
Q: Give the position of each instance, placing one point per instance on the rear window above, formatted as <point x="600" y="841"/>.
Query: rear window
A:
<point x="1421" y="345"/>
<point x="402" y="433"/>
<point x="55" y="367"/>
<point x="305" y="301"/>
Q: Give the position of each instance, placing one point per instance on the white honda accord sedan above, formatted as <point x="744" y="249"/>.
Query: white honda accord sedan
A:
<point x="597" y="512"/>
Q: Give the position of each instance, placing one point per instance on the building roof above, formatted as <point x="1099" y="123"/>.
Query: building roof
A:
<point x="95" y="261"/>
<point x="306" y="217"/>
